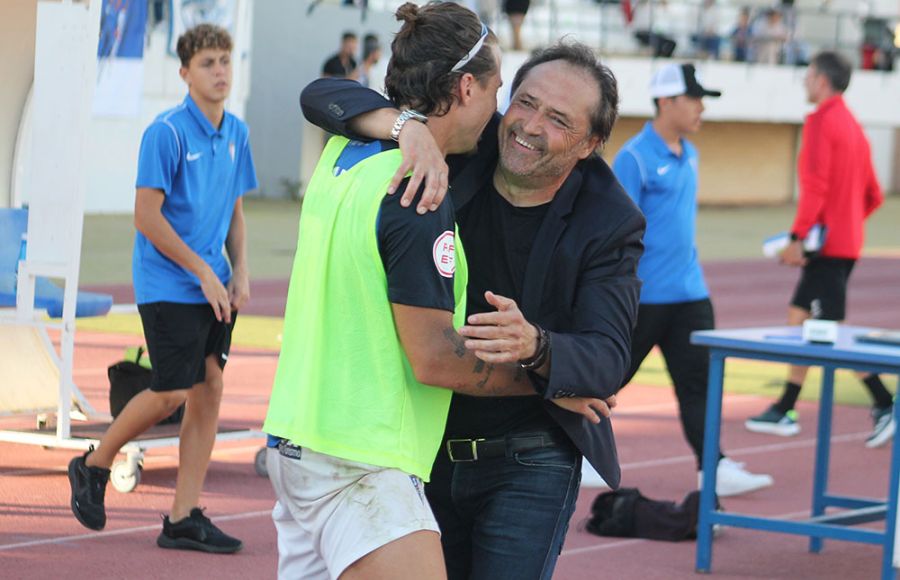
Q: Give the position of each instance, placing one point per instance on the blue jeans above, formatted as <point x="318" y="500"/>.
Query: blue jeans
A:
<point x="505" y="518"/>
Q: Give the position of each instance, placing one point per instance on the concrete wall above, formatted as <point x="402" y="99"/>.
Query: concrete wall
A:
<point x="113" y="142"/>
<point x="740" y="163"/>
<point x="749" y="142"/>
<point x="287" y="58"/>
<point x="17" y="30"/>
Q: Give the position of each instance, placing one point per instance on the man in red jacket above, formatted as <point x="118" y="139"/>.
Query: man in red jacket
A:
<point x="838" y="190"/>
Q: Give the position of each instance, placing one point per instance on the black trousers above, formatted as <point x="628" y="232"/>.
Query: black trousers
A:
<point x="670" y="326"/>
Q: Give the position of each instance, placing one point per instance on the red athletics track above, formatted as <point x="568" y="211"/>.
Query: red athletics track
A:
<point x="745" y="293"/>
<point x="39" y="538"/>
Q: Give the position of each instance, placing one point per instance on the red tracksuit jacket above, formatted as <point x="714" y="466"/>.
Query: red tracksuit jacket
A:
<point x="838" y="186"/>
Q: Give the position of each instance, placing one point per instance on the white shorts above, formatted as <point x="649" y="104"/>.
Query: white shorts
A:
<point x="331" y="512"/>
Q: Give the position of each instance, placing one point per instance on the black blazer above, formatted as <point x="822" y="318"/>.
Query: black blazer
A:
<point x="581" y="281"/>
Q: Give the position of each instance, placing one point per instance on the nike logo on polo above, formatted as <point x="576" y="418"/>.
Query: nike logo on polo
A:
<point x="194" y="156"/>
<point x="663" y="169"/>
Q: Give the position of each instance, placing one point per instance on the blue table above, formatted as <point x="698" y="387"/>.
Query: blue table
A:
<point x="783" y="344"/>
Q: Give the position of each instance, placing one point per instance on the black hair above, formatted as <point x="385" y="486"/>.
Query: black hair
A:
<point x="833" y="67"/>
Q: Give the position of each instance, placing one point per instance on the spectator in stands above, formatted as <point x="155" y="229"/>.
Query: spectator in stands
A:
<point x="342" y="64"/>
<point x="768" y="35"/>
<point x="370" y="57"/>
<point x="658" y="169"/>
<point x="188" y="209"/>
<point x="838" y="189"/>
<point x="651" y="23"/>
<point x="516" y="10"/>
<point x="794" y="51"/>
<point x="707" y="38"/>
<point x="740" y="36"/>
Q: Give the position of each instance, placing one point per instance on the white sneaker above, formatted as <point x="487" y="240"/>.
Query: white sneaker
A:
<point x="733" y="479"/>
<point x="883" y="429"/>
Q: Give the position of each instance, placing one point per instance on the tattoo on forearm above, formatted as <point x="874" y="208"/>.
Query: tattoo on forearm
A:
<point x="483" y="371"/>
<point x="459" y="345"/>
<point x="489" y="369"/>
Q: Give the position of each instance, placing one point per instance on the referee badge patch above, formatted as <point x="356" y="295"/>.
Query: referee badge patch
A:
<point x="444" y="254"/>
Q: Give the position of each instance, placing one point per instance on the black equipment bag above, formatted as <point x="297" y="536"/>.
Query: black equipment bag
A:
<point x="626" y="513"/>
<point x="127" y="378"/>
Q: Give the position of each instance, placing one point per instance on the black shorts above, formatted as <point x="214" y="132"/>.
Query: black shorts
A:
<point x="179" y="338"/>
<point x="822" y="289"/>
<point x="516" y="6"/>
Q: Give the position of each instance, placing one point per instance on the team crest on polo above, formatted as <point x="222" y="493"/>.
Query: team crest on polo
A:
<point x="231" y="150"/>
<point x="444" y="254"/>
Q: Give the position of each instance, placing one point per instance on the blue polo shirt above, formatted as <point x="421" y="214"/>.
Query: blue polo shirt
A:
<point x="203" y="171"/>
<point x="664" y="186"/>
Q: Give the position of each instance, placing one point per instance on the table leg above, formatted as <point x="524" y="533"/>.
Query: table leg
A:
<point x="710" y="460"/>
<point x="890" y="521"/>
<point x="823" y="450"/>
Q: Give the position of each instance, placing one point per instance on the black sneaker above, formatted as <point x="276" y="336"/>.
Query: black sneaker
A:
<point x="196" y="532"/>
<point x="88" y="490"/>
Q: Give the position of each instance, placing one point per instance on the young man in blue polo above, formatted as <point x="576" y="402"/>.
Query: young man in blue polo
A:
<point x="658" y="169"/>
<point x="193" y="168"/>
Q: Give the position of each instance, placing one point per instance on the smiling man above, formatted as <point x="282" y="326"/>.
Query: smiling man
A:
<point x="658" y="169"/>
<point x="552" y="244"/>
<point x="193" y="168"/>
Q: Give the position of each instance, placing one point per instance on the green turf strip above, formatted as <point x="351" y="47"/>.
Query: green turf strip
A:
<point x="763" y="378"/>
<point x="741" y="376"/>
<point x="250" y="332"/>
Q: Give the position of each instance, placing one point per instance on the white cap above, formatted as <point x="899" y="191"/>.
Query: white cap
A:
<point x="678" y="79"/>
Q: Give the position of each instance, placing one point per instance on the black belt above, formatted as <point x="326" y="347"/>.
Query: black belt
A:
<point x="468" y="450"/>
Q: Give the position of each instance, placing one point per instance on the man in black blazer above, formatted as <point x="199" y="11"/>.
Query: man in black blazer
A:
<point x="552" y="243"/>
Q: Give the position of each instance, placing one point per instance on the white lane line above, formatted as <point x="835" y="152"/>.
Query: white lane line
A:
<point x="620" y="544"/>
<point x="756" y="450"/>
<point x="122" y="532"/>
<point x="629" y="542"/>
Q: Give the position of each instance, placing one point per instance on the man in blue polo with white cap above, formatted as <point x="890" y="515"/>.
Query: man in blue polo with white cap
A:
<point x="658" y="169"/>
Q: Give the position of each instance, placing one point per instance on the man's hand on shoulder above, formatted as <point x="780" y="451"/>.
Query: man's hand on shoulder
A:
<point x="421" y="156"/>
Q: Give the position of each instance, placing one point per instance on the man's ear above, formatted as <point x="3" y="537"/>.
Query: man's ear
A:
<point x="183" y="71"/>
<point x="591" y="144"/>
<point x="466" y="85"/>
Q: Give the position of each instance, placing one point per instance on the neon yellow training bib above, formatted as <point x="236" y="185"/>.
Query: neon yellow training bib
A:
<point x="344" y="386"/>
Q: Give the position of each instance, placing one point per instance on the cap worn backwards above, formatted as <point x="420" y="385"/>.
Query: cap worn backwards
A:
<point x="673" y="80"/>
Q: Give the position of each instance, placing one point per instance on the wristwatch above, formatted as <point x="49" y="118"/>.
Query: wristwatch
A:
<point x="402" y="118"/>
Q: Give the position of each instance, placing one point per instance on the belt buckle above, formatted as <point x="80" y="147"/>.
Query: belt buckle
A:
<point x="474" y="446"/>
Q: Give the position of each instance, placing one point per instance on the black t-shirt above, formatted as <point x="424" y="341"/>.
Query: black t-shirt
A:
<point x="418" y="252"/>
<point x="497" y="238"/>
<point x="333" y="67"/>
